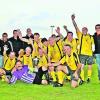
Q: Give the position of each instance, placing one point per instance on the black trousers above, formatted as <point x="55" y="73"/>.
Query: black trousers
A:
<point x="38" y="77"/>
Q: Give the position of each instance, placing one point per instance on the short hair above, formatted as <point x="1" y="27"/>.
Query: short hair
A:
<point x="18" y="61"/>
<point x="14" y="31"/>
<point x="4" y="34"/>
<point x="28" y="29"/>
<point x="69" y="32"/>
<point x="97" y="25"/>
<point x="28" y="48"/>
<point x="53" y="35"/>
<point x="68" y="45"/>
<point x="36" y="34"/>
<point x="44" y="40"/>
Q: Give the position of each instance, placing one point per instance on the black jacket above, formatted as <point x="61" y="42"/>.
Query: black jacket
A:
<point x="0" y="47"/>
<point x="7" y="44"/>
<point x="17" y="44"/>
<point x="26" y="44"/>
<point x="97" y="43"/>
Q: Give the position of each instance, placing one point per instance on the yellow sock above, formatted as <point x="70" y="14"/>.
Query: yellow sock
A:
<point x="60" y="76"/>
<point x="3" y="77"/>
<point x="89" y="73"/>
<point x="82" y="74"/>
<point x="53" y="75"/>
<point x="68" y="77"/>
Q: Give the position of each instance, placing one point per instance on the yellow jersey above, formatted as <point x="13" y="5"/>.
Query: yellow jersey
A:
<point x="60" y="44"/>
<point x="43" y="61"/>
<point x="85" y="44"/>
<point x="27" y="60"/>
<point x="73" y="44"/>
<point x="35" y="50"/>
<point x="9" y="63"/>
<point x="54" y="53"/>
<point x="71" y="61"/>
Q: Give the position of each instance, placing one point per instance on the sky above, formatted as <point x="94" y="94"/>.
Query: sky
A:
<point x="39" y="15"/>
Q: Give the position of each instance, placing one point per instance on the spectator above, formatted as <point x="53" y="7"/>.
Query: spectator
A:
<point x="17" y="44"/>
<point x="97" y="47"/>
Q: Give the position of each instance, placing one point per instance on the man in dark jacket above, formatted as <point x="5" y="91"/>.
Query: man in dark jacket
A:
<point x="17" y="44"/>
<point x="28" y="36"/>
<point x="1" y="57"/>
<point x="97" y="47"/>
<point x="5" y="44"/>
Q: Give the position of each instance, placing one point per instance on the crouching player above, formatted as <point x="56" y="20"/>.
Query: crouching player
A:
<point x="69" y="64"/>
<point x="9" y="63"/>
<point x="21" y="72"/>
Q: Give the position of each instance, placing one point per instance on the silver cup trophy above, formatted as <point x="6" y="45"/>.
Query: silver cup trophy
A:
<point x="35" y="64"/>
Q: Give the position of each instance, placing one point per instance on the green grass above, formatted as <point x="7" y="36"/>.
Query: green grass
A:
<point x="23" y="91"/>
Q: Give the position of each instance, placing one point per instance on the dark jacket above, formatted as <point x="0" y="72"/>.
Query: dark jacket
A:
<point x="97" y="43"/>
<point x="26" y="44"/>
<point x="7" y="44"/>
<point x="17" y="44"/>
<point x="0" y="47"/>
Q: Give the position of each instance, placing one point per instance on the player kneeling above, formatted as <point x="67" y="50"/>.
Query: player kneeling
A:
<point x="69" y="64"/>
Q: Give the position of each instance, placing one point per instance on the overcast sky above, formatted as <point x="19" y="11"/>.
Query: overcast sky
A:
<point x="39" y="15"/>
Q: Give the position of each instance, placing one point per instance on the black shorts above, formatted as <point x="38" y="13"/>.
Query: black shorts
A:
<point x="37" y="79"/>
<point x="8" y="72"/>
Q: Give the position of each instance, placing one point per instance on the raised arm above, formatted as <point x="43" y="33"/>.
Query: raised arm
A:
<point x="66" y="29"/>
<point x="74" y="23"/>
<point x="58" y="32"/>
<point x="24" y="39"/>
<point x="5" y="54"/>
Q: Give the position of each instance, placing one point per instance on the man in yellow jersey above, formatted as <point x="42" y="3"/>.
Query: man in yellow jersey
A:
<point x="36" y="43"/>
<point x="20" y="55"/>
<point x="69" y="64"/>
<point x="54" y="55"/>
<point x="45" y="46"/>
<point x="86" y="48"/>
<point x="9" y="63"/>
<point x="27" y="58"/>
<point x="42" y="59"/>
<point x="70" y="40"/>
<point x="59" y="40"/>
<point x="43" y="62"/>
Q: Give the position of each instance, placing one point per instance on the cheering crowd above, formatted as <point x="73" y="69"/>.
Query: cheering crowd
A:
<point x="53" y="61"/>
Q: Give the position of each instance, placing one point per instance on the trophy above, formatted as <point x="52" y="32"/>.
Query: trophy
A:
<point x="35" y="64"/>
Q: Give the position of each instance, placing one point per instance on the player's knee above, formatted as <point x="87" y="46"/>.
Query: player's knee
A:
<point x="74" y="84"/>
<point x="44" y="82"/>
<point x="2" y="72"/>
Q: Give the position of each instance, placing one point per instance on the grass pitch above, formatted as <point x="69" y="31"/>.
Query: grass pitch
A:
<point x="23" y="91"/>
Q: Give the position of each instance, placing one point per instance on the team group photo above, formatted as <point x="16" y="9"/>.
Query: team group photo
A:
<point x="62" y="64"/>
